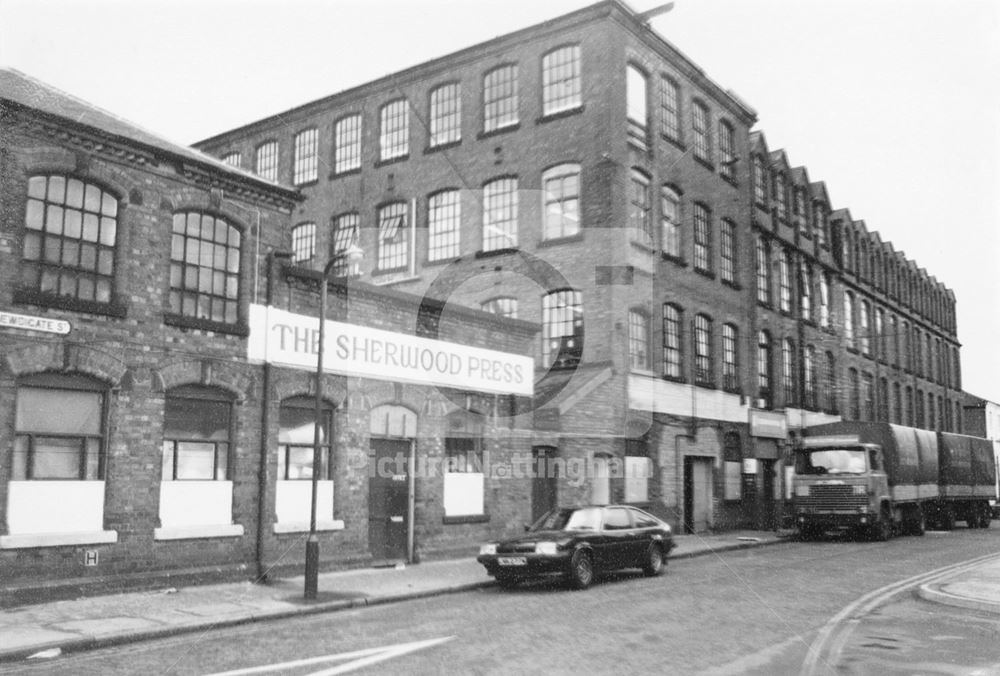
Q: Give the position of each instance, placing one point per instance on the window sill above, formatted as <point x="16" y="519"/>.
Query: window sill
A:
<point x="23" y="296"/>
<point x="646" y="247"/>
<point x="514" y="126"/>
<point x="556" y="241"/>
<point x="680" y="380"/>
<point x="733" y="285"/>
<point x="33" y="540"/>
<point x="442" y="261"/>
<point x="303" y="526"/>
<point x="496" y="252"/>
<point x="765" y="305"/>
<point x="392" y="160"/>
<point x="731" y="180"/>
<point x="395" y="280"/>
<point x="705" y="273"/>
<point x="646" y="373"/>
<point x="430" y="150"/>
<point x="674" y="142"/>
<point x="762" y="206"/>
<point x="560" y="114"/>
<point x="706" y="385"/>
<point x="306" y="184"/>
<point x="676" y="260"/>
<point x="181" y="321"/>
<point x="198" y="532"/>
<point x="469" y="518"/>
<point x="639" y="143"/>
<point x="705" y="163"/>
<point x="347" y="172"/>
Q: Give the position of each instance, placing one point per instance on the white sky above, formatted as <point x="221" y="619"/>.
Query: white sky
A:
<point x="895" y="104"/>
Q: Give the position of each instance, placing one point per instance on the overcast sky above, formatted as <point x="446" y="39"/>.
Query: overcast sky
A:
<point x="895" y="104"/>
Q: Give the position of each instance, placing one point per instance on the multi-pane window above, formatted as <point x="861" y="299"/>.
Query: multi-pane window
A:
<point x="805" y="290"/>
<point x="727" y="251"/>
<point x="809" y="376"/>
<point x="305" y="166"/>
<point x="638" y="340"/>
<point x="788" y="370"/>
<point x="759" y="181"/>
<point x="446" y="114"/>
<point x="504" y="306"/>
<point x="345" y="235"/>
<point x="204" y="267"/>
<point x="784" y="281"/>
<point x="58" y="429"/>
<point x="670" y="109"/>
<point x="347" y="144"/>
<point x="781" y="195"/>
<point x="703" y="372"/>
<point x="882" y="409"/>
<point x="561" y="88"/>
<point x="700" y="127"/>
<point x="831" y="383"/>
<point x="561" y="195"/>
<point x="865" y="328"/>
<point x="394" y="130"/>
<point x="639" y="218"/>
<point x="853" y="395"/>
<point x="636" y="104"/>
<point x="267" y="160"/>
<point x="500" y="214"/>
<point x="671" y="341"/>
<point x="763" y="271"/>
<point x="880" y="350"/>
<point x="500" y="98"/>
<point x="727" y="150"/>
<point x="702" y="238"/>
<point x="303" y="242"/>
<point x="824" y="299"/>
<point x="562" y="328"/>
<point x="197" y="428"/>
<point x="868" y="392"/>
<point x="444" y="219"/>
<point x="849" y="319"/>
<point x="393" y="236"/>
<point x="730" y="358"/>
<point x="69" y="241"/>
<point x="799" y="211"/>
<point x="764" y="390"/>
<point x="909" y="408"/>
<point x="670" y="212"/>
<point x="233" y="159"/>
<point x="296" y="439"/>
<point x="819" y="222"/>
<point x="897" y="405"/>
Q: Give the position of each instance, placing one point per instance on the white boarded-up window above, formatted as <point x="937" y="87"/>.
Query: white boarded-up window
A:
<point x="638" y="472"/>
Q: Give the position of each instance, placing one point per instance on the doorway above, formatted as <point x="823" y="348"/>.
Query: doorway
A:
<point x="388" y="499"/>
<point x="766" y="497"/>
<point x="544" y="482"/>
<point x="697" y="494"/>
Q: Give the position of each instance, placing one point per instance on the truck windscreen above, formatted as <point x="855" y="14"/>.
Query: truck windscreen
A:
<point x="830" y="461"/>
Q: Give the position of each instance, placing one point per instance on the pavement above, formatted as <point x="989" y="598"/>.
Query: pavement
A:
<point x="48" y="628"/>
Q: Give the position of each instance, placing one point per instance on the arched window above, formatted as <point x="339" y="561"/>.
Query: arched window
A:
<point x="561" y="196"/>
<point x="638" y="340"/>
<point x="727" y="149"/>
<point x="445" y="114"/>
<point x="849" y="319"/>
<point x="704" y="373"/>
<point x="785" y="281"/>
<point x="303" y="242"/>
<point x="500" y="217"/>
<point x="296" y="430"/>
<point x="853" y="395"/>
<point x="205" y="267"/>
<point x="345" y="235"/>
<point x="70" y="237"/>
<point x="670" y="108"/>
<point x="562" y="328"/>
<point x="639" y="219"/>
<point x="393" y="244"/>
<point x="759" y="181"/>
<point x="788" y="370"/>
<point x="702" y="238"/>
<point x="781" y="195"/>
<point x="763" y="271"/>
<point x="561" y="86"/>
<point x="670" y="212"/>
<point x="831" y="383"/>
<point x="809" y="377"/>
<point x="700" y="123"/>
<point x="730" y="358"/>
<point x="764" y="378"/>
<point x="505" y="306"/>
<point x="444" y="222"/>
<point x="672" y="355"/>
<point x="347" y="144"/>
<point x="500" y="98"/>
<point x="394" y="130"/>
<point x="266" y="160"/>
<point x="637" y="104"/>
<point x="197" y="431"/>
<point x="305" y="162"/>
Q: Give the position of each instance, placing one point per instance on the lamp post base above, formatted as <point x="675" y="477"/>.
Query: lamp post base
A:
<point x="312" y="566"/>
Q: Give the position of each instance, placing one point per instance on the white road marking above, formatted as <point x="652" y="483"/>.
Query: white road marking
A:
<point x="359" y="658"/>
<point x="825" y="649"/>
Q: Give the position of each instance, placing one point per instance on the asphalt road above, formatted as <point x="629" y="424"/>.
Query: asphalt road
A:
<point x="754" y="611"/>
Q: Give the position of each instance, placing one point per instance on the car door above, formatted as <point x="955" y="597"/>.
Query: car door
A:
<point x="645" y="527"/>
<point x="619" y="538"/>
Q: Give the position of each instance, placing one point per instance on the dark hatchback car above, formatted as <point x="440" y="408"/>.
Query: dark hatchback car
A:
<point x="577" y="542"/>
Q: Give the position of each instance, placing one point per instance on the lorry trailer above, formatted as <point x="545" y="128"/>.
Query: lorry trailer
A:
<point x="878" y="479"/>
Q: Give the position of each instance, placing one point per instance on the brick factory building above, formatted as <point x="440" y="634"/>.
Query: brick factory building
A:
<point x="700" y="297"/>
<point x="157" y="387"/>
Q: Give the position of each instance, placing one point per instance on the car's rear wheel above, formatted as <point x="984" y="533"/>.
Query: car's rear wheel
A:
<point x="653" y="563"/>
<point x="581" y="570"/>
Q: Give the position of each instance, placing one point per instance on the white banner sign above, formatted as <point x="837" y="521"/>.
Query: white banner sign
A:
<point x="9" y="319"/>
<point x="288" y="339"/>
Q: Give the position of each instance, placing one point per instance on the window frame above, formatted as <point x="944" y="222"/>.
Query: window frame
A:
<point x="444" y="126"/>
<point x="305" y="156"/>
<point x="673" y="343"/>
<point x="501" y="195"/>
<point x="232" y="271"/>
<point x="701" y="127"/>
<point x="444" y="225"/>
<point x="670" y="108"/>
<point x="639" y="356"/>
<point x="347" y="222"/>
<point x="703" y="339"/>
<point x="347" y="139"/>
<point x="303" y="242"/>
<point x="200" y="393"/>
<point x="568" y="303"/>
<point x="501" y="111"/>
<point x="394" y="255"/>
<point x="731" y="357"/>
<point x="394" y="130"/>
<point x="284" y="450"/>
<point x="558" y="175"/>
<point x="702" y="230"/>
<point x="552" y="104"/>
<point x="266" y="159"/>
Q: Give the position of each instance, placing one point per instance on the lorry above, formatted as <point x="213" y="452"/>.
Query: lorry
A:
<point x="878" y="479"/>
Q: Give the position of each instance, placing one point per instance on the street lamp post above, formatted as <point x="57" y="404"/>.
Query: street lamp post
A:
<point x="351" y="255"/>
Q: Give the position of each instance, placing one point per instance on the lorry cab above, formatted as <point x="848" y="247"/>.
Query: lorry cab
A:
<point x="839" y="484"/>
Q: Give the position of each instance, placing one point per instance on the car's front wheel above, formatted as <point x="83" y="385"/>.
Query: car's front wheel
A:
<point x="653" y="563"/>
<point x="581" y="570"/>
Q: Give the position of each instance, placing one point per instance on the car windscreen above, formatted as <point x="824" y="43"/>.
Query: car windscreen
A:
<point x="587" y="518"/>
<point x="831" y="461"/>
